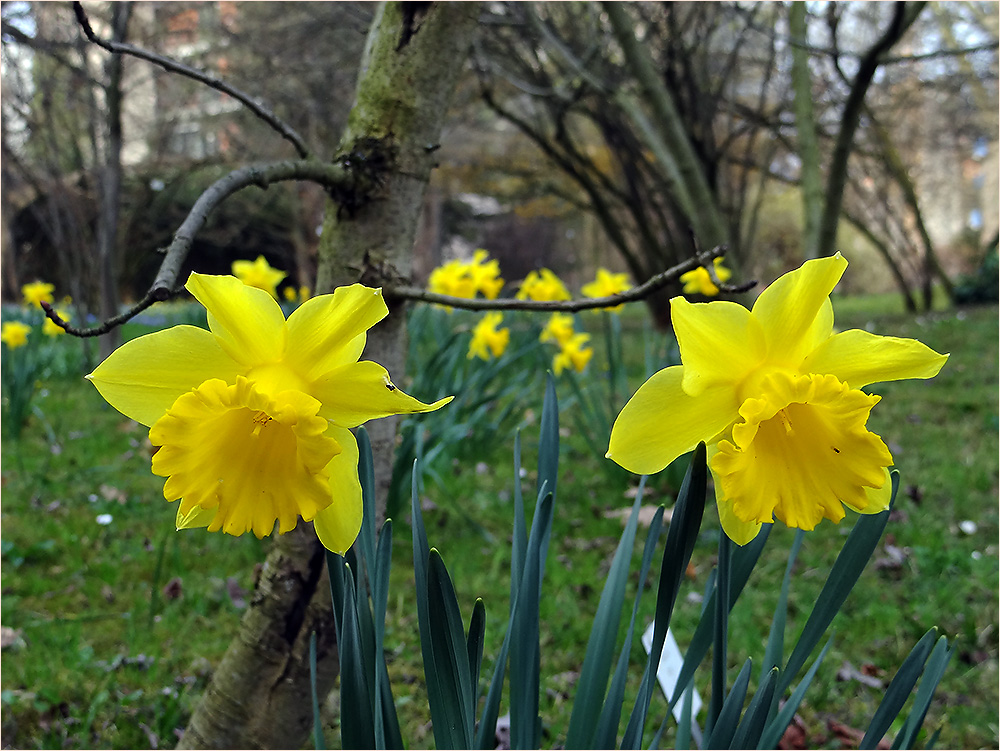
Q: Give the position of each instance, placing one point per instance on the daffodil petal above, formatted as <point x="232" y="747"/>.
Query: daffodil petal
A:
<point x="660" y="422"/>
<point x="196" y="517"/>
<point x="878" y="498"/>
<point x="736" y="529"/>
<point x="143" y="377"/>
<point x="795" y="310"/>
<point x="247" y="321"/>
<point x="329" y="330"/>
<point x="720" y="342"/>
<point x="337" y="525"/>
<point x="860" y="358"/>
<point x="361" y="391"/>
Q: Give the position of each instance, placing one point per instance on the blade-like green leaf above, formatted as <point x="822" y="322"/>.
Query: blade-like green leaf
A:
<point x="606" y="734"/>
<point x="681" y="537"/>
<point x="318" y="741"/>
<point x="898" y="690"/>
<point x="520" y="534"/>
<point x="356" y="721"/>
<point x="774" y="653"/>
<point x="775" y="729"/>
<point x="437" y="694"/>
<point x="525" y="653"/>
<point x="454" y="726"/>
<point x="726" y="723"/>
<point x="596" y="667"/>
<point x="851" y="561"/>
<point x="720" y="636"/>
<point x="752" y="724"/>
<point x="932" y="676"/>
<point x="548" y="445"/>
<point x="380" y="596"/>
<point x="743" y="561"/>
<point x="477" y="631"/>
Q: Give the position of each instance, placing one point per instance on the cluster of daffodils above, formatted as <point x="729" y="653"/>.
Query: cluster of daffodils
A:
<point x="251" y="419"/>
<point x="16" y="334"/>
<point x="776" y="396"/>
<point x="490" y="338"/>
<point x="466" y="279"/>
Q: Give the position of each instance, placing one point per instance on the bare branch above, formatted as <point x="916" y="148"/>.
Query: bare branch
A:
<point x="572" y="306"/>
<point x="264" y="113"/>
<point x="334" y="177"/>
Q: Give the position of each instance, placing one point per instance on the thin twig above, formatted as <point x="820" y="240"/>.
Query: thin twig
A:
<point x="110" y="323"/>
<point x="572" y="306"/>
<point x="264" y="113"/>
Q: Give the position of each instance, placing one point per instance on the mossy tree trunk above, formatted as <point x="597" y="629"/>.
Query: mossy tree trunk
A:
<point x="259" y="695"/>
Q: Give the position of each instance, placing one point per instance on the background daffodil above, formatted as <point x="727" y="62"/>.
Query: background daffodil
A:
<point x="38" y="292"/>
<point x="573" y="353"/>
<point x="14" y="334"/>
<point x="698" y="282"/>
<point x="259" y="274"/>
<point x="605" y="284"/>
<point x="542" y="285"/>
<point x="487" y="339"/>
<point x="775" y="395"/>
<point x="252" y="417"/>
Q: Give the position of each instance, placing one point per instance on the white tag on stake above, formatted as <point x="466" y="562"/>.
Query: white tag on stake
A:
<point x="669" y="669"/>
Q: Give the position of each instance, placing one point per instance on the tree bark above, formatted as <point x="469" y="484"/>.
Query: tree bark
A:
<point x="406" y="81"/>
<point x="259" y="695"/>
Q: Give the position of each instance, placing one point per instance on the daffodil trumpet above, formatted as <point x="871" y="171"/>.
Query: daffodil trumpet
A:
<point x="252" y="418"/>
<point x="776" y="396"/>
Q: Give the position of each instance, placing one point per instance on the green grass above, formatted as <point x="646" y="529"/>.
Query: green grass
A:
<point x="109" y="655"/>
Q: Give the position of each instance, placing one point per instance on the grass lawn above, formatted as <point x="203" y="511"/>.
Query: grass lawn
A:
<point x="113" y="621"/>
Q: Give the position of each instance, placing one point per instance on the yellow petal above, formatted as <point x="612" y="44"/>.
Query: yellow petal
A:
<point x="878" y="498"/>
<point x="361" y="391"/>
<point x="329" y="330"/>
<point x="736" y="529"/>
<point x="720" y="342"/>
<point x="337" y="525"/>
<point x="660" y="422"/>
<point x="143" y="377"/>
<point x="247" y="321"/>
<point x="194" y="518"/>
<point x="860" y="358"/>
<point x="801" y="452"/>
<point x="251" y="459"/>
<point x="795" y="310"/>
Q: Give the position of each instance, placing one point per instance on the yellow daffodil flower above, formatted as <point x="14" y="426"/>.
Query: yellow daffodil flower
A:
<point x="606" y="284"/>
<point x="50" y="329"/>
<point x="38" y="292"/>
<point x="485" y="274"/>
<point x="574" y="354"/>
<point x="452" y="279"/>
<point x="542" y="285"/>
<point x="465" y="279"/>
<point x="487" y="339"/>
<point x="252" y="417"/>
<point x="304" y="293"/>
<point x="14" y="334"/>
<point x="259" y="274"/>
<point x="289" y="294"/>
<point x="558" y="329"/>
<point x="775" y="395"/>
<point x="698" y="282"/>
